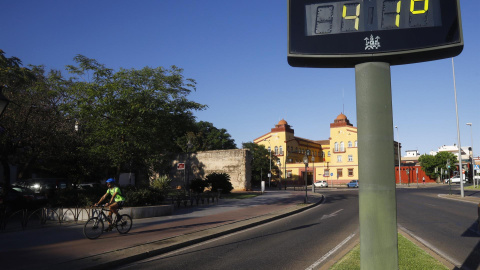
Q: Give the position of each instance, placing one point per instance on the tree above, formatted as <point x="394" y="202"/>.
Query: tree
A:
<point x="439" y="161"/>
<point x="260" y="161"/>
<point x="205" y="136"/>
<point x="218" y="181"/>
<point x="131" y="118"/>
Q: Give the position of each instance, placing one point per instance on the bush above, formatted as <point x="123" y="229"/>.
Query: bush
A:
<point x="198" y="185"/>
<point x="219" y="181"/>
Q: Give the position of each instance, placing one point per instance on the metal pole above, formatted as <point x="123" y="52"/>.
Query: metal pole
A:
<point x="306" y="173"/>
<point x="460" y="169"/>
<point x="473" y="163"/>
<point x="399" y="158"/>
<point x="377" y="198"/>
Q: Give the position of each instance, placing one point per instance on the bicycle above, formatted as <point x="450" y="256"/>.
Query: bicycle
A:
<point x="94" y="227"/>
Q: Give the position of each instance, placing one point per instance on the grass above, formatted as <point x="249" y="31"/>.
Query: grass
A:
<point x="410" y="257"/>
<point x="472" y="188"/>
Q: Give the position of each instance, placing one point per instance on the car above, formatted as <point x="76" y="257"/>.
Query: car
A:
<point x="455" y="179"/>
<point x="321" y="184"/>
<point x="18" y="197"/>
<point x="353" y="184"/>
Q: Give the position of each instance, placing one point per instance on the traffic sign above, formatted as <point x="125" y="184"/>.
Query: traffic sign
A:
<point x="181" y="166"/>
<point x="477" y="167"/>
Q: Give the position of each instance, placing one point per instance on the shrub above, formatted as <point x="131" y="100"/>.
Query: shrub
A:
<point x="198" y="185"/>
<point x="219" y="181"/>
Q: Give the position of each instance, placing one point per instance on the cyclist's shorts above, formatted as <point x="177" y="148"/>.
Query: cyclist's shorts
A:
<point x="120" y="203"/>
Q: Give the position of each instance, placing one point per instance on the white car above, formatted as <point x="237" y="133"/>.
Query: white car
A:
<point x="321" y="184"/>
<point x="455" y="179"/>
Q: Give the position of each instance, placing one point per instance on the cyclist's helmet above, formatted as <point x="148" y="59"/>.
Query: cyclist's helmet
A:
<point x="111" y="180"/>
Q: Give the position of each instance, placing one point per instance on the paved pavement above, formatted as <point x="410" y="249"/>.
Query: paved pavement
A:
<point x="60" y="247"/>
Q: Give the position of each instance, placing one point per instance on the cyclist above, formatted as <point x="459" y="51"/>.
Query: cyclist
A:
<point x="116" y="201"/>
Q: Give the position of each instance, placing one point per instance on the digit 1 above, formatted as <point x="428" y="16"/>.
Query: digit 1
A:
<point x="420" y="11"/>
<point x="397" y="20"/>
<point x="352" y="17"/>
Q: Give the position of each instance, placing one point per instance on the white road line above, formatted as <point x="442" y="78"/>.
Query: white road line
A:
<point x="330" y="252"/>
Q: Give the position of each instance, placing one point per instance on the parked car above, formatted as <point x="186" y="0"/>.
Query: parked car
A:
<point x="353" y="184"/>
<point x="455" y="179"/>
<point x="18" y="197"/>
<point x="321" y="184"/>
<point x="44" y="185"/>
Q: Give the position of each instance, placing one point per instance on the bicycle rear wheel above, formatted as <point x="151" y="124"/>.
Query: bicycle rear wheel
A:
<point x="93" y="228"/>
<point x="124" y="224"/>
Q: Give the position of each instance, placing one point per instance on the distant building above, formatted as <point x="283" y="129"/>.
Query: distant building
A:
<point x="334" y="159"/>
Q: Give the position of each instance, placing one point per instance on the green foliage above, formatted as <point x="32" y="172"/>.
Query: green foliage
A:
<point x="205" y="137"/>
<point x="218" y="181"/>
<point x="439" y="161"/>
<point x="142" y="196"/>
<point x="260" y="162"/>
<point x="198" y="185"/>
<point x="161" y="183"/>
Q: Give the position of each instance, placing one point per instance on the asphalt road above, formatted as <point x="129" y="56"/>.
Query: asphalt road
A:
<point x="446" y="226"/>
<point x="297" y="242"/>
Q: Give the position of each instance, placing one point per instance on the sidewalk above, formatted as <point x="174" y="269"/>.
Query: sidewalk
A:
<point x="60" y="247"/>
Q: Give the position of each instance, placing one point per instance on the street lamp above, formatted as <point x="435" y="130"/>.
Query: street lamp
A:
<point x="3" y="103"/>
<point x="313" y="168"/>
<point x="279" y="163"/>
<point x="305" y="161"/>
<point x="399" y="158"/>
<point x="473" y="166"/>
<point x="270" y="172"/>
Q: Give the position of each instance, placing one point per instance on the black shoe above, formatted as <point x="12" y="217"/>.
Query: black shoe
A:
<point x="109" y="228"/>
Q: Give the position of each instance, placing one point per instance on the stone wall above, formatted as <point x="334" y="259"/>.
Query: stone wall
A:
<point x="236" y="163"/>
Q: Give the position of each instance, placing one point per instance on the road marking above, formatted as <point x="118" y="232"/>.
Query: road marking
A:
<point x="331" y="215"/>
<point x="315" y="264"/>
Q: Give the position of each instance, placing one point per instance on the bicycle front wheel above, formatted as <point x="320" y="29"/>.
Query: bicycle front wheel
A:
<point x="124" y="224"/>
<point x="93" y="228"/>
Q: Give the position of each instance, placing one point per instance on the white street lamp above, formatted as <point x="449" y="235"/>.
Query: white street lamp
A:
<point x="399" y="158"/>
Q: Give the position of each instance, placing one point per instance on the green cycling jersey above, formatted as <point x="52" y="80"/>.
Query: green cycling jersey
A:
<point x="118" y="197"/>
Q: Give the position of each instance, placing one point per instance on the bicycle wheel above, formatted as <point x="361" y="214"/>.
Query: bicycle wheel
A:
<point x="93" y="228"/>
<point x="124" y="224"/>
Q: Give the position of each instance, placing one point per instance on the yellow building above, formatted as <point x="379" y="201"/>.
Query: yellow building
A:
<point x="334" y="160"/>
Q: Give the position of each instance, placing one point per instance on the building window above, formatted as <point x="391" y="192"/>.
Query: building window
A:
<point x="281" y="150"/>
<point x="336" y="147"/>
<point x="276" y="150"/>
<point x="289" y="174"/>
<point x="350" y="144"/>
<point x="356" y="144"/>
<point x="350" y="172"/>
<point x="350" y="158"/>
<point x="326" y="173"/>
<point x="339" y="158"/>
<point x="328" y="153"/>
<point x="342" y="147"/>
<point x="339" y="173"/>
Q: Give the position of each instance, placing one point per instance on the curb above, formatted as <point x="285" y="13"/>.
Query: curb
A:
<point x="131" y="254"/>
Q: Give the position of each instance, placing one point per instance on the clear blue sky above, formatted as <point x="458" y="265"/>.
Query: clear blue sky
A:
<point x="237" y="52"/>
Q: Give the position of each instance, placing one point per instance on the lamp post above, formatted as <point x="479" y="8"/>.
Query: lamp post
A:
<point x="313" y="168"/>
<point x="399" y="158"/>
<point x="270" y="172"/>
<point x="285" y="164"/>
<point x="473" y="166"/>
<point x="187" y="179"/>
<point x="3" y="102"/>
<point x="305" y="160"/>
<point x="460" y="167"/>
<point x="279" y="164"/>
